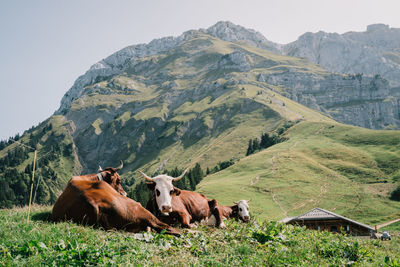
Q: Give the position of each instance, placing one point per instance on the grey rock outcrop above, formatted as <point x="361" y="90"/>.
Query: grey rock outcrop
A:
<point x="236" y="61"/>
<point x="352" y="99"/>
<point x="230" y="32"/>
<point x="375" y="51"/>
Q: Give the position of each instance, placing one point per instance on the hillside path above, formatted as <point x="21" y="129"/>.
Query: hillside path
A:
<point x="386" y="224"/>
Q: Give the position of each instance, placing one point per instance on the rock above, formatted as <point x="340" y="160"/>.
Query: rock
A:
<point x="375" y="51"/>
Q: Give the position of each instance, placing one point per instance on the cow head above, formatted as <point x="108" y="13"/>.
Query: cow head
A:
<point x="242" y="207"/>
<point x="110" y="176"/>
<point x="163" y="190"/>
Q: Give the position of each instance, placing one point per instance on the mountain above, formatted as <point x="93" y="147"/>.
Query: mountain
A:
<point x="193" y="99"/>
<point x="367" y="96"/>
<point x="375" y="51"/>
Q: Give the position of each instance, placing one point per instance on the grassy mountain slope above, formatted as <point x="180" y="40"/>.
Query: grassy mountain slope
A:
<point x="345" y="169"/>
<point x="57" y="161"/>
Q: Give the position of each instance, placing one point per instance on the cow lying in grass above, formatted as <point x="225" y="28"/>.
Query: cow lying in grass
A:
<point x="172" y="205"/>
<point x="97" y="202"/>
<point x="239" y="211"/>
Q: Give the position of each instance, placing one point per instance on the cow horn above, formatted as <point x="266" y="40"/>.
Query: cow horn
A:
<point x="180" y="176"/>
<point x="120" y="166"/>
<point x="248" y="201"/>
<point x="146" y="177"/>
<point x="100" y="169"/>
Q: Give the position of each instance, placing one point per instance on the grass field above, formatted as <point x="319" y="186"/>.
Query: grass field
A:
<point x="43" y="243"/>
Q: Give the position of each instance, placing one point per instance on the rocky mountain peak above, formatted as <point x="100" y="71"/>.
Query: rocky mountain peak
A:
<point x="377" y="27"/>
<point x="231" y="32"/>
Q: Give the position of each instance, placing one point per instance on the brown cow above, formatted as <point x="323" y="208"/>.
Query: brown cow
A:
<point x="109" y="175"/>
<point x="172" y="205"/>
<point x="97" y="203"/>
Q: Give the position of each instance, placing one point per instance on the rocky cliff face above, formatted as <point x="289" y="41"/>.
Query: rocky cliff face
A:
<point x="375" y="51"/>
<point x="230" y="32"/>
<point x="351" y="99"/>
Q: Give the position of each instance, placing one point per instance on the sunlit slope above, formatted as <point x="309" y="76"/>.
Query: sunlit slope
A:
<point x="345" y="169"/>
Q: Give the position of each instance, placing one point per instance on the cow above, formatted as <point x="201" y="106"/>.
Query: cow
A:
<point x="92" y="202"/>
<point x="172" y="205"/>
<point x="108" y="175"/>
<point x="239" y="211"/>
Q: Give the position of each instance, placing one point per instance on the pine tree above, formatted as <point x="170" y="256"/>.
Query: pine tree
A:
<point x="256" y="145"/>
<point x="250" y="148"/>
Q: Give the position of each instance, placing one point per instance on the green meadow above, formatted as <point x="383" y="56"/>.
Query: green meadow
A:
<point x="258" y="243"/>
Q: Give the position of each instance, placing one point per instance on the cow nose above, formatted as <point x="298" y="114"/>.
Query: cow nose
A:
<point x="166" y="208"/>
<point x="246" y="218"/>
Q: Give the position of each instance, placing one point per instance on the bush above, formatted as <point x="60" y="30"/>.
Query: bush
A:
<point x="395" y="195"/>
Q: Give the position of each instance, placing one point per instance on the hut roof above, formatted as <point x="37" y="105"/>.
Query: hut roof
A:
<point x="321" y="214"/>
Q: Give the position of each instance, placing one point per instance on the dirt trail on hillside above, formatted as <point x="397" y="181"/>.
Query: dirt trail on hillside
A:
<point x="320" y="130"/>
<point x="279" y="204"/>
<point x="387" y="223"/>
<point x="273" y="162"/>
<point x="317" y="200"/>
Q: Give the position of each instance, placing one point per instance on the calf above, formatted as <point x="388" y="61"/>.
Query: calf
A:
<point x="238" y="211"/>
<point x="97" y="203"/>
<point x="173" y="205"/>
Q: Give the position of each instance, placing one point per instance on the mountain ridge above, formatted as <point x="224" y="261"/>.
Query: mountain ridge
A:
<point x="387" y="66"/>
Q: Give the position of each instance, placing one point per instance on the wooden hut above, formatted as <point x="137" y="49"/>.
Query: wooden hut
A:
<point x="323" y="220"/>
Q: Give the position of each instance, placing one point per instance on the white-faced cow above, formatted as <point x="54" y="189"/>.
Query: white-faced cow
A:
<point x="239" y="211"/>
<point x="172" y="205"/>
<point x="97" y="201"/>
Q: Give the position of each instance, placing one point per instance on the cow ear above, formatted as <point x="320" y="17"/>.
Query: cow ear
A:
<point x="151" y="186"/>
<point x="177" y="191"/>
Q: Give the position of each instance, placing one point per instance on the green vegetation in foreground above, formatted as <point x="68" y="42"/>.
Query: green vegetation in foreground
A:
<point x="254" y="244"/>
<point x="348" y="170"/>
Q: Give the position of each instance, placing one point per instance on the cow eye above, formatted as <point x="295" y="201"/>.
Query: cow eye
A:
<point x="157" y="192"/>
<point x="240" y="209"/>
<point x="171" y="192"/>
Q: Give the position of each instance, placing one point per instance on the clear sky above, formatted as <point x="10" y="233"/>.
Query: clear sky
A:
<point x="46" y="45"/>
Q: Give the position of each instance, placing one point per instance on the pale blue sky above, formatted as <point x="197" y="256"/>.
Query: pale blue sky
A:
<point x="46" y="45"/>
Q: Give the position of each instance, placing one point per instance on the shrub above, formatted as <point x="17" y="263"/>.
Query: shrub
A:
<point x="395" y="195"/>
